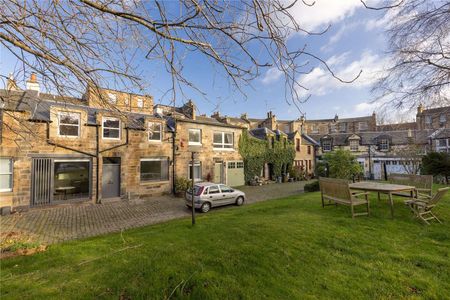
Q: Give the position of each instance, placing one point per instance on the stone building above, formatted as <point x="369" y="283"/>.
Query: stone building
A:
<point x="341" y="125"/>
<point x="272" y="128"/>
<point x="215" y="144"/>
<point x="59" y="150"/>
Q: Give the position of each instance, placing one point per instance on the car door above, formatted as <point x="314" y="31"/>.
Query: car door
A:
<point x="214" y="195"/>
<point x="227" y="194"/>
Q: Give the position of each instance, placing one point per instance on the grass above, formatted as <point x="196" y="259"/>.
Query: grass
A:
<point x="280" y="249"/>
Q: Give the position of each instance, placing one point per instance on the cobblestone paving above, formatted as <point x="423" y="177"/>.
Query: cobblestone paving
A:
<point x="62" y="223"/>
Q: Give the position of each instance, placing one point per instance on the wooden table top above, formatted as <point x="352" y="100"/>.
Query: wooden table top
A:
<point x="380" y="187"/>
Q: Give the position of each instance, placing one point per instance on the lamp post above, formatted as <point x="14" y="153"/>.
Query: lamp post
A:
<point x="192" y="189"/>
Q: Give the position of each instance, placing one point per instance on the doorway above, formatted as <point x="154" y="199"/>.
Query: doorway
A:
<point x="111" y="177"/>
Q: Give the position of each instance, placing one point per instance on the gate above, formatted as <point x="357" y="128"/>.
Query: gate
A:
<point x="41" y="181"/>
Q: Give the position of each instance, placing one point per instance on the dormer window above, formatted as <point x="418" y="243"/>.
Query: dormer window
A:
<point x="112" y="98"/>
<point x="68" y="124"/>
<point x="384" y="145"/>
<point x="111" y="128"/>
<point x="154" y="132"/>
<point x="326" y="145"/>
<point x="140" y="102"/>
<point x="354" y="145"/>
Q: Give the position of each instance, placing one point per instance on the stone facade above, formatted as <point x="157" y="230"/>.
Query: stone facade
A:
<point x="207" y="154"/>
<point x="29" y="133"/>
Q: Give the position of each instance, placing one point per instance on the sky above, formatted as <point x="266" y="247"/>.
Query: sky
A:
<point x="356" y="41"/>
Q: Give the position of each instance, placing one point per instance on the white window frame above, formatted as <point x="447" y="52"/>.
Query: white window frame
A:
<point x="327" y="145"/>
<point x="196" y="163"/>
<point x="384" y="145"/>
<point x="160" y="132"/>
<point x="442" y="118"/>
<point x="78" y="126"/>
<point x="194" y="143"/>
<point x="140" y="103"/>
<point x="222" y="144"/>
<point x="160" y="159"/>
<point x="314" y="128"/>
<point x="352" y="145"/>
<point x="103" y="128"/>
<point x="112" y="98"/>
<point x="10" y="173"/>
<point x="428" y="120"/>
<point x="445" y="148"/>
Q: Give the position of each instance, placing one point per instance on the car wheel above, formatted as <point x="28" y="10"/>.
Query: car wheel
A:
<point x="205" y="207"/>
<point x="239" y="201"/>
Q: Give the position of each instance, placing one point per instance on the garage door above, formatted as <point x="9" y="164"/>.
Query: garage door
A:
<point x="235" y="173"/>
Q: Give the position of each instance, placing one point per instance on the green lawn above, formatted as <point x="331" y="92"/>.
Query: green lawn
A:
<point x="280" y="249"/>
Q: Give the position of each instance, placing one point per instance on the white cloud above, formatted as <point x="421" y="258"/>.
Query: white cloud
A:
<point x="272" y="75"/>
<point x="323" y="13"/>
<point x="321" y="82"/>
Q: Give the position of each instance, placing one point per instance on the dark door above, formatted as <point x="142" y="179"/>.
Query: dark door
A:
<point x="111" y="177"/>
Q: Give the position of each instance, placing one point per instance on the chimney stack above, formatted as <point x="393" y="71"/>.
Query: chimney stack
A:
<point x="33" y="84"/>
<point x="420" y="109"/>
<point x="216" y="115"/>
<point x="244" y="116"/>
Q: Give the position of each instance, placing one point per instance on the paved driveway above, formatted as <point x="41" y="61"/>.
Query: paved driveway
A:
<point x="61" y="223"/>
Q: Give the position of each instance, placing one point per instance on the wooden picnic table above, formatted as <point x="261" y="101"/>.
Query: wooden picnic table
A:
<point x="383" y="188"/>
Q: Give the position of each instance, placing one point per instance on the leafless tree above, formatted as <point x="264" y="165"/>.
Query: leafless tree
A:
<point x="75" y="43"/>
<point x="410" y="157"/>
<point x="419" y="44"/>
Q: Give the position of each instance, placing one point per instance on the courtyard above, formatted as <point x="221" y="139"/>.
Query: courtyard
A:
<point x="74" y="221"/>
<point x="286" y="248"/>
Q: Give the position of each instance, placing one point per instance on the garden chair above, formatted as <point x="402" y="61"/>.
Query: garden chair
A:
<point x="423" y="204"/>
<point x="422" y="183"/>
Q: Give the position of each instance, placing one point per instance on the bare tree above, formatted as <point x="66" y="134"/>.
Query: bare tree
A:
<point x="410" y="157"/>
<point x="419" y="43"/>
<point x="75" y="43"/>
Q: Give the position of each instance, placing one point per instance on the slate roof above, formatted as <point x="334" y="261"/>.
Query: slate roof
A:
<point x="260" y="133"/>
<point x="355" y="119"/>
<point x="399" y="137"/>
<point x="39" y="104"/>
<point x="400" y="126"/>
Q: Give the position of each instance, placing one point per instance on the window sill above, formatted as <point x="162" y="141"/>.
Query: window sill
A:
<point x="146" y="182"/>
<point x="224" y="149"/>
<point x="195" y="144"/>
<point x="155" y="141"/>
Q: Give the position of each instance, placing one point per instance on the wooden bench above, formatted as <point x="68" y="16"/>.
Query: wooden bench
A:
<point x="337" y="191"/>
<point x="422" y="183"/>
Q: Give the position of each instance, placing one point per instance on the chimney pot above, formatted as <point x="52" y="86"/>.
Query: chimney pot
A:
<point x="33" y="84"/>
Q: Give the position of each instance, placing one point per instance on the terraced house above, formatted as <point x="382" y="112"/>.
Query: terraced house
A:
<point x="389" y="148"/>
<point x="106" y="145"/>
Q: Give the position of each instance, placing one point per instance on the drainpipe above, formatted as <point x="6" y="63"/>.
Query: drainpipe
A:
<point x="174" y="134"/>
<point x="97" y="171"/>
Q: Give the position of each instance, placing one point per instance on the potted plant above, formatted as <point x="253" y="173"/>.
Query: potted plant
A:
<point x="181" y="186"/>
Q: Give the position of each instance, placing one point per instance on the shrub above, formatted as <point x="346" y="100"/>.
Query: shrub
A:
<point x="342" y="164"/>
<point x="312" y="187"/>
<point x="182" y="184"/>
<point x="436" y="164"/>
